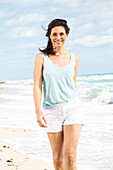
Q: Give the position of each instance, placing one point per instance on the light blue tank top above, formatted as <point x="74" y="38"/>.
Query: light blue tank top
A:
<point x="58" y="84"/>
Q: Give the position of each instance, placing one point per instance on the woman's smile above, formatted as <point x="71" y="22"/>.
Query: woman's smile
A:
<point x="58" y="42"/>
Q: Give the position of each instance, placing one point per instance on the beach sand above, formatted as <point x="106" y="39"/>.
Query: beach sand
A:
<point x="10" y="159"/>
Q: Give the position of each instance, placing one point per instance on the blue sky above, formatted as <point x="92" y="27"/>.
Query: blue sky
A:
<point x="21" y="34"/>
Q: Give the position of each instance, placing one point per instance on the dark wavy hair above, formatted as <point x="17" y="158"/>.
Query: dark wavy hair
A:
<point x="53" y="23"/>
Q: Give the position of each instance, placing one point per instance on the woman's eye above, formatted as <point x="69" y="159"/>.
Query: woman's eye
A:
<point x="54" y="34"/>
<point x="61" y="33"/>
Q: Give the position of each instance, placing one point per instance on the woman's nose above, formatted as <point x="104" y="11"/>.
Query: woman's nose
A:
<point x="58" y="37"/>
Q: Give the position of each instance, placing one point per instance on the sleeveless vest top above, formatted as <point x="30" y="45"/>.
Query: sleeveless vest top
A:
<point x="58" y="83"/>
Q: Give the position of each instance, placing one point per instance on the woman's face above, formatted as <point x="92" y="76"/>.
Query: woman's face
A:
<point x="58" y="36"/>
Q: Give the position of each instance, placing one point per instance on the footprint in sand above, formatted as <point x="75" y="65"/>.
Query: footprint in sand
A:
<point x="10" y="165"/>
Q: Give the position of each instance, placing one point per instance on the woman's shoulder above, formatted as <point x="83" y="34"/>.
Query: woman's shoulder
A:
<point x="76" y="56"/>
<point x="40" y="58"/>
<point x="40" y="55"/>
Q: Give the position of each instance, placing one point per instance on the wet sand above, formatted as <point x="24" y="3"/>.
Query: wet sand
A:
<point x="10" y="159"/>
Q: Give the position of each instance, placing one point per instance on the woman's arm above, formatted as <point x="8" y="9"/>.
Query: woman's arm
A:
<point x="76" y="67"/>
<point x="37" y="88"/>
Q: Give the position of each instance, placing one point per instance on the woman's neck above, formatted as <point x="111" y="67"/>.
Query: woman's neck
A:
<point x="59" y="51"/>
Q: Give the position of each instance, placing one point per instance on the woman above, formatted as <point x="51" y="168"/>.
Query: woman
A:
<point x="56" y="69"/>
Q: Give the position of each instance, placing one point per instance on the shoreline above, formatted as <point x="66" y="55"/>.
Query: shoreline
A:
<point x="11" y="159"/>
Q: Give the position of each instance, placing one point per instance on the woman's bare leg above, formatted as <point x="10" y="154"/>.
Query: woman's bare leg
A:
<point x="71" y="137"/>
<point x="56" y="142"/>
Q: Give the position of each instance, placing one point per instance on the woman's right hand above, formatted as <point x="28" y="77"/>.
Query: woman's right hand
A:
<point x="41" y="119"/>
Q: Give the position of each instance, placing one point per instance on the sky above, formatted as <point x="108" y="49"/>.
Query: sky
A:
<point x="21" y="34"/>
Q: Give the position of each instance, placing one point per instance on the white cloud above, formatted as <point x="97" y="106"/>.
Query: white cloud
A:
<point x="109" y="31"/>
<point x="82" y="30"/>
<point x="101" y="14"/>
<point x="21" y="1"/>
<point x="42" y="44"/>
<point x="24" y="32"/>
<point x="2" y="14"/>
<point x="53" y="9"/>
<point x="24" y="46"/>
<point x="106" y="23"/>
<point x="6" y="13"/>
<point x="11" y="22"/>
<point x="26" y="19"/>
<point x="71" y="3"/>
<point x="94" y="41"/>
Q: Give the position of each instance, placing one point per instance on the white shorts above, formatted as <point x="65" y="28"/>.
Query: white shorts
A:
<point x="64" y="113"/>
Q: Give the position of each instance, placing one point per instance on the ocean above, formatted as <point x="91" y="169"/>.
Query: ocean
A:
<point x="95" y="148"/>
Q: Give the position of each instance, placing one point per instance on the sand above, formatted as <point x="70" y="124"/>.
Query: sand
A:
<point x="10" y="159"/>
